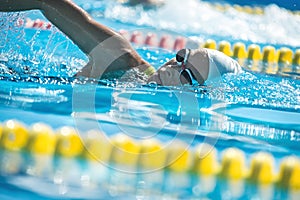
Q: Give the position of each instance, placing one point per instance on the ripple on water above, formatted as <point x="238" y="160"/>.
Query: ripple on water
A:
<point x="259" y="90"/>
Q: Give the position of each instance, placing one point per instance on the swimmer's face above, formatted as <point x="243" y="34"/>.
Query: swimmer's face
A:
<point x="169" y="73"/>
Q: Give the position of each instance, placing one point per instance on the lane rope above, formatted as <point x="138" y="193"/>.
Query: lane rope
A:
<point x="41" y="139"/>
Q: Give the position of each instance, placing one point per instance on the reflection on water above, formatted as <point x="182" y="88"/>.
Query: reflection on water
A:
<point x="77" y="179"/>
<point x="157" y="107"/>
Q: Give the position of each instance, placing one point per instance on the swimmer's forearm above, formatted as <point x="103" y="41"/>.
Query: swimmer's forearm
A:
<point x="68" y="17"/>
<point x="86" y="32"/>
<point x="75" y="23"/>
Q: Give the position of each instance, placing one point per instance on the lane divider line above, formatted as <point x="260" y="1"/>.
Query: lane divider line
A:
<point x="41" y="139"/>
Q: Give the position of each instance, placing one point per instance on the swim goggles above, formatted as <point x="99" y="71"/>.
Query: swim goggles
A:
<point x="186" y="75"/>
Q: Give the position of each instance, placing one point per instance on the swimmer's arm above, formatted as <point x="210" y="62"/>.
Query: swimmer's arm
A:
<point x="76" y="23"/>
<point x="88" y="34"/>
<point x="78" y="26"/>
<point x="68" y="17"/>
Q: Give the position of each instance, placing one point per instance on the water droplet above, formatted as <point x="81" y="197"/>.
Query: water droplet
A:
<point x="153" y="84"/>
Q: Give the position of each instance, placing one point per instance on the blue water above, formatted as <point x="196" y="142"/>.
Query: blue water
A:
<point x="276" y="26"/>
<point x="258" y="111"/>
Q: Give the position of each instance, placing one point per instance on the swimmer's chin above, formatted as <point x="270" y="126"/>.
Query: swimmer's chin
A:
<point x="154" y="79"/>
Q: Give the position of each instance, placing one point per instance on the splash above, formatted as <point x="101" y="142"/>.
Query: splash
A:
<point x="36" y="52"/>
<point x="258" y="90"/>
<point x="48" y="57"/>
<point x="195" y="17"/>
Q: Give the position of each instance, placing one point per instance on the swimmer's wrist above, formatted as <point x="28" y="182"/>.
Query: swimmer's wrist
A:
<point x="146" y="68"/>
<point x="150" y="71"/>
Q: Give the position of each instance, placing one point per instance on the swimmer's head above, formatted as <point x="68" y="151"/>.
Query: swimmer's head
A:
<point x="167" y="75"/>
<point x="189" y="67"/>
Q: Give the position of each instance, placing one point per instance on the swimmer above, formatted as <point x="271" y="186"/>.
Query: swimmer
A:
<point x="109" y="51"/>
<point x="147" y="3"/>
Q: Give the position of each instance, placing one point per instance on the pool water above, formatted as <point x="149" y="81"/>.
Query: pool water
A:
<point x="250" y="111"/>
<point x="199" y="18"/>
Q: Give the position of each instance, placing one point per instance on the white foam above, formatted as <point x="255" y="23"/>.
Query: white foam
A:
<point x="275" y="26"/>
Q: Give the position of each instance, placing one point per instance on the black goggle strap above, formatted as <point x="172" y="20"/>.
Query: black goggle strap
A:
<point x="186" y="56"/>
<point x="184" y="74"/>
<point x="182" y="57"/>
<point x="188" y="75"/>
